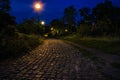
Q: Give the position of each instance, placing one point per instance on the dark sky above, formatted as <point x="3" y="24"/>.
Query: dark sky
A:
<point x="22" y="9"/>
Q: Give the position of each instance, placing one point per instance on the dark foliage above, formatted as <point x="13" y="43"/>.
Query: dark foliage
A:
<point x="70" y="18"/>
<point x="5" y="18"/>
<point x="12" y="43"/>
<point x="104" y="19"/>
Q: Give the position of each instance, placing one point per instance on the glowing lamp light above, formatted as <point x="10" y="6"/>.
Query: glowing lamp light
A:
<point x="42" y="22"/>
<point x="38" y="6"/>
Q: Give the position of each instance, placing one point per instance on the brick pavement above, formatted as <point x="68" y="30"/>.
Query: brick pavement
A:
<point x="54" y="60"/>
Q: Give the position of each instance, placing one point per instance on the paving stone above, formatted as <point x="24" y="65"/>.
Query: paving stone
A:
<point x="54" y="60"/>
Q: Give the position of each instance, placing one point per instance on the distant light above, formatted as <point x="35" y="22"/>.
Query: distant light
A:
<point x="42" y="22"/>
<point x="52" y="28"/>
<point x="46" y="35"/>
<point x="66" y="30"/>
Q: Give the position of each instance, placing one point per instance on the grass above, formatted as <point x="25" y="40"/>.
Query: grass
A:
<point x="98" y="62"/>
<point x="18" y="45"/>
<point x="90" y="55"/>
<point x="105" y="44"/>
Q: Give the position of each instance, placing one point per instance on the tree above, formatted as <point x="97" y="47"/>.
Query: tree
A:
<point x="103" y="14"/>
<point x="70" y="17"/>
<point x="5" y="6"/>
<point x="55" y="23"/>
<point x="115" y="19"/>
<point x="85" y="13"/>
<point x="5" y="18"/>
<point x="84" y="29"/>
<point x="58" y="26"/>
<point x="104" y="20"/>
<point x="103" y="10"/>
<point x="29" y="26"/>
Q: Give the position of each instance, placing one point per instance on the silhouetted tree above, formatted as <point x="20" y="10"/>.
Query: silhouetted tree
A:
<point x="84" y="27"/>
<point x="29" y="27"/>
<point x="5" y="18"/>
<point x="85" y="13"/>
<point x="114" y="17"/>
<point x="70" y="17"/>
<point x="56" y="23"/>
<point x="106" y="18"/>
<point x="58" y="26"/>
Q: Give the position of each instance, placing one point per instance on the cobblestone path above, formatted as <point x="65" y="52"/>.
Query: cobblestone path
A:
<point x="54" y="60"/>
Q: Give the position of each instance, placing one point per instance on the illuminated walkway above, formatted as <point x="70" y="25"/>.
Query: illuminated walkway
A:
<point x="54" y="60"/>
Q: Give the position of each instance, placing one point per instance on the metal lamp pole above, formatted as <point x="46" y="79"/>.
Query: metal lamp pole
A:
<point x="38" y="6"/>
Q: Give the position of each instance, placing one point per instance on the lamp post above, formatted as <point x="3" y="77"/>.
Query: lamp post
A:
<point x="38" y="6"/>
<point x="42" y="23"/>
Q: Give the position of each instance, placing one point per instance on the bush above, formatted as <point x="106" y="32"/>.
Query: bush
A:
<point x="19" y="45"/>
<point x="84" y="29"/>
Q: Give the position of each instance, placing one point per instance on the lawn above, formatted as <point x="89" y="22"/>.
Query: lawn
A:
<point x="105" y="44"/>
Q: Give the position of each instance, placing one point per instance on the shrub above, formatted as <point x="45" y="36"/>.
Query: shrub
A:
<point x="18" y="45"/>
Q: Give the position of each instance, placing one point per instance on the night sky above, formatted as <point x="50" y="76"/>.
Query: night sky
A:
<point x="22" y="9"/>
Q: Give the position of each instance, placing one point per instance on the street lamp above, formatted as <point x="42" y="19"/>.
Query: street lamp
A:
<point x="42" y="22"/>
<point x="38" y="7"/>
<point x="43" y="25"/>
